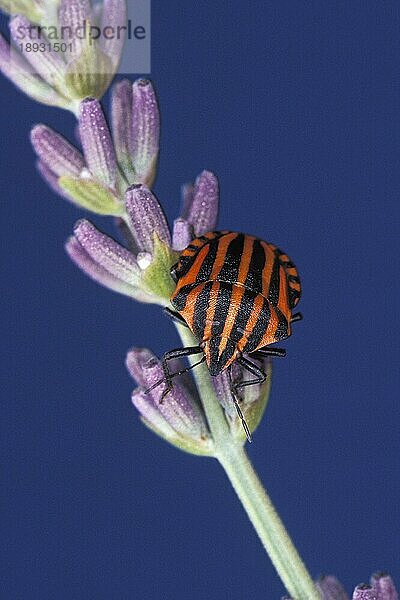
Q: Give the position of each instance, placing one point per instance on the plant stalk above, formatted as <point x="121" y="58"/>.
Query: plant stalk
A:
<point x="254" y="498"/>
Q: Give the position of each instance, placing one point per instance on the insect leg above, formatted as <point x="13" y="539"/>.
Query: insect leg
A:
<point x="175" y="316"/>
<point x="173" y="273"/>
<point x="296" y="317"/>
<point x="177" y="353"/>
<point x="253" y="369"/>
<point x="236" y="399"/>
<point x="267" y="351"/>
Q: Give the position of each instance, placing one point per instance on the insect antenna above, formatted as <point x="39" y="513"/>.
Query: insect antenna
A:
<point x="238" y="410"/>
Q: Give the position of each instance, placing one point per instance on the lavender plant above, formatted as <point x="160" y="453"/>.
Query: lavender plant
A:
<point x="65" y="74"/>
<point x="112" y="174"/>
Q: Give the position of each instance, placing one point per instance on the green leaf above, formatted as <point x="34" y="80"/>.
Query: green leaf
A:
<point x="91" y="195"/>
<point x="156" y="277"/>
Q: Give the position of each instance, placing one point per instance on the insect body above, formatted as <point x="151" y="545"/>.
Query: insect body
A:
<point x="236" y="293"/>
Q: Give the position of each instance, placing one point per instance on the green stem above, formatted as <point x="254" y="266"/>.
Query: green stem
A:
<point x="267" y="524"/>
<point x="255" y="500"/>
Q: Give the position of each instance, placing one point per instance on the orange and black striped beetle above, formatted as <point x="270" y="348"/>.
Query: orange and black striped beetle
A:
<point x="236" y="293"/>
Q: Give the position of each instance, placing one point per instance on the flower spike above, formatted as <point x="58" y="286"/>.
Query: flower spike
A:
<point x="87" y="65"/>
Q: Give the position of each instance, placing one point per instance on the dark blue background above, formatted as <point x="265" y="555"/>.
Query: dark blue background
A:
<point x="295" y="105"/>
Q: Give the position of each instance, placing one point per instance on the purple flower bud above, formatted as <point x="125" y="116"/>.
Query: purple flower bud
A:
<point x="145" y="131"/>
<point x="136" y="359"/>
<point x="49" y="65"/>
<point x="222" y="389"/>
<point x="107" y="253"/>
<point x="99" y="274"/>
<point x="17" y="69"/>
<point x="72" y="15"/>
<point x="187" y="191"/>
<point x="114" y="15"/>
<point x="248" y="395"/>
<point x="55" y="152"/>
<point x="151" y="415"/>
<point x="179" y="409"/>
<point x="364" y="591"/>
<point x="97" y="143"/>
<point x="182" y="234"/>
<point x="330" y="588"/>
<point x="202" y="211"/>
<point x="146" y="217"/>
<point x="121" y="119"/>
<point x="51" y="179"/>
<point x="383" y="584"/>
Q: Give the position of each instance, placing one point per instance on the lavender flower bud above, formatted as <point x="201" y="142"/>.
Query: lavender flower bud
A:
<point x="97" y="143"/>
<point x="182" y="234"/>
<point x="202" y="207"/>
<point x="14" y="66"/>
<point x="121" y="119"/>
<point x="179" y="410"/>
<point x="151" y="416"/>
<point x="383" y="584"/>
<point x="381" y="588"/>
<point x="49" y="65"/>
<point x="253" y="399"/>
<point x="330" y="588"/>
<point x="114" y="12"/>
<point x="95" y="271"/>
<point x="107" y="253"/>
<point x="136" y="359"/>
<point x="145" y="131"/>
<point x="87" y="66"/>
<point x="55" y="152"/>
<point x="146" y="217"/>
<point x="187" y="191"/>
<point x="51" y="179"/>
<point x="364" y="591"/>
<point x="73" y="14"/>
<point x="65" y="170"/>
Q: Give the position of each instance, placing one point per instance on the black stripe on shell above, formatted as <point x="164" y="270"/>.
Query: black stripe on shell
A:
<point x="260" y="327"/>
<point x="254" y="275"/>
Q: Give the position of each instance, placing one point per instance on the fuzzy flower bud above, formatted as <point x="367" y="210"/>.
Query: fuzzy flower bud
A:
<point x="82" y="64"/>
<point x="254" y="398"/>
<point x="178" y="417"/>
<point x="200" y="203"/>
<point x="97" y="179"/>
<point x="380" y="588"/>
<point x="136" y="126"/>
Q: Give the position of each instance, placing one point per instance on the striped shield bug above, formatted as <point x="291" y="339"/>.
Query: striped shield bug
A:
<point x="236" y="293"/>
